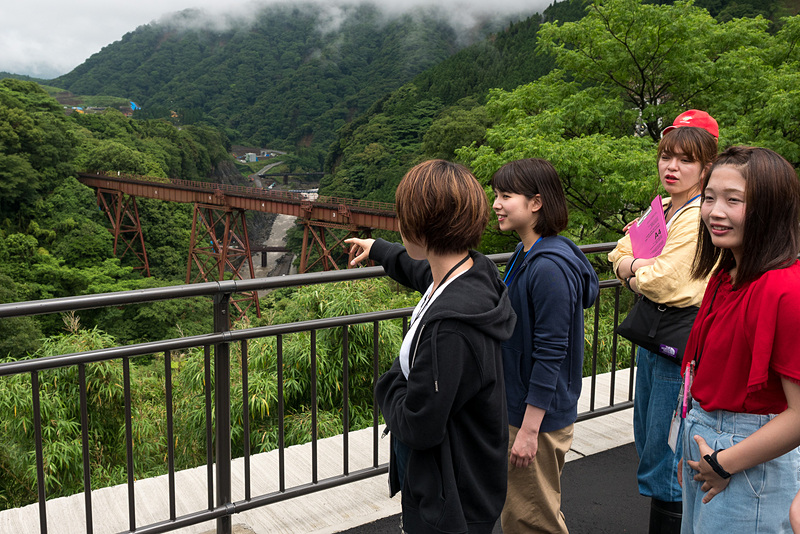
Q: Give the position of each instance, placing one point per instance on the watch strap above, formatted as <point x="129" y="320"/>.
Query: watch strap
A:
<point x="712" y="461"/>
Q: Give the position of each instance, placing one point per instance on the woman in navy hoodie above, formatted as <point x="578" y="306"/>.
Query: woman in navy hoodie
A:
<point x="443" y="398"/>
<point x="550" y="283"/>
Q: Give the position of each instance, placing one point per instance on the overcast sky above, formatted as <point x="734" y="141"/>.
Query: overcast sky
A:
<point x="47" y="38"/>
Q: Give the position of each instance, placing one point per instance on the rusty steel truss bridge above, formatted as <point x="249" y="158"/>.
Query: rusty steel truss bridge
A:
<point x="219" y="240"/>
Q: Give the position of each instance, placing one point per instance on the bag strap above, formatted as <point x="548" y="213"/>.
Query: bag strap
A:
<point x="660" y="309"/>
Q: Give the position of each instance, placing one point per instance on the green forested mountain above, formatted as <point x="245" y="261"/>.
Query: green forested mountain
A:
<point x="286" y="77"/>
<point x="4" y="74"/>
<point x="437" y="112"/>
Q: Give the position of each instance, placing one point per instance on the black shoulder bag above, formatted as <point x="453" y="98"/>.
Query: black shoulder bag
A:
<point x="661" y="329"/>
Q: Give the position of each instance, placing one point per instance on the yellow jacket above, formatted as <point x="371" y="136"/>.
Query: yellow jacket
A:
<point x="669" y="280"/>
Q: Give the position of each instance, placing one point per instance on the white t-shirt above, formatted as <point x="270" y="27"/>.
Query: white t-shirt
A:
<point x="416" y="316"/>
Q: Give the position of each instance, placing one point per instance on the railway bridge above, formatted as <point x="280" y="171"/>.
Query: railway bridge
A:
<point x="219" y="240"/>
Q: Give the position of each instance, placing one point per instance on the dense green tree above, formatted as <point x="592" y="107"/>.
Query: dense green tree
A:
<point x="36" y="145"/>
<point x="18" y="335"/>
<point x="114" y="157"/>
<point x="455" y="127"/>
<point x="54" y="241"/>
<point x="659" y="59"/>
<point x="634" y="73"/>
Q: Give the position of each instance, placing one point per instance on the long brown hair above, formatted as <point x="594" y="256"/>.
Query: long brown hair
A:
<point x="771" y="238"/>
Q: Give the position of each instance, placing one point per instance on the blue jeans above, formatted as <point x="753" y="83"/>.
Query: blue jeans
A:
<point x="756" y="500"/>
<point x="658" y="382"/>
<point x="401" y="454"/>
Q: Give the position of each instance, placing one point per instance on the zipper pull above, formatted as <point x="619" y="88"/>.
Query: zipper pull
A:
<point x="385" y="432"/>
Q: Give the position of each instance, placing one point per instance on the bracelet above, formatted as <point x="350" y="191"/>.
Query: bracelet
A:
<point x="627" y="282"/>
<point x="634" y="261"/>
<point x="712" y="461"/>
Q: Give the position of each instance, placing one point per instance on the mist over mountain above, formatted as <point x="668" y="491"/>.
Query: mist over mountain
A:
<point x="283" y="75"/>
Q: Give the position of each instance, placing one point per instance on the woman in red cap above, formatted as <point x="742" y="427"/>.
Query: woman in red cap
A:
<point x="685" y="152"/>
<point x="696" y="119"/>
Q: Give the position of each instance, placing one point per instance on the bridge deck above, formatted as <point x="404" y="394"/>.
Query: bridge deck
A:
<point x="355" y="212"/>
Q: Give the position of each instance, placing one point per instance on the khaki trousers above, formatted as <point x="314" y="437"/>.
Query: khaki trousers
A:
<point x="533" y="499"/>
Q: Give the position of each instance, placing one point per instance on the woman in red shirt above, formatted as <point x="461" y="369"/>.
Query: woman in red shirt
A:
<point x="741" y="364"/>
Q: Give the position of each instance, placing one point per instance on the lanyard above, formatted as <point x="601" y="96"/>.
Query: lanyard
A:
<point x="679" y="209"/>
<point x="441" y="285"/>
<point x="510" y="271"/>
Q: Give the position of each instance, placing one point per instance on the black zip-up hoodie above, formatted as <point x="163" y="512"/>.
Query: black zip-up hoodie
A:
<point x="451" y="412"/>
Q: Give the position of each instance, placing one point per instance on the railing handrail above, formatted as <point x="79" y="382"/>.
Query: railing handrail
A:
<point x="138" y="296"/>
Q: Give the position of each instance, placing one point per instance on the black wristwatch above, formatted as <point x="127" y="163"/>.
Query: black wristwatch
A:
<point x="712" y="461"/>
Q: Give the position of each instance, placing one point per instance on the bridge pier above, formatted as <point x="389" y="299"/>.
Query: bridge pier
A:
<point x="126" y="227"/>
<point x="219" y="244"/>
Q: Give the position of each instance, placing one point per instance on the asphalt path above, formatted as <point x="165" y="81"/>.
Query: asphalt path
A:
<point x="600" y="496"/>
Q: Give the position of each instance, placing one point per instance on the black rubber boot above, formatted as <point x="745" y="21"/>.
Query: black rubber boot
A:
<point x="665" y="517"/>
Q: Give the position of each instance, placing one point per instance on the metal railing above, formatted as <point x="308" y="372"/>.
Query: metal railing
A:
<point x="220" y="505"/>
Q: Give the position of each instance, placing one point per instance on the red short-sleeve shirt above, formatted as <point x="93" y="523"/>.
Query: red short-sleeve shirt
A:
<point x="747" y="342"/>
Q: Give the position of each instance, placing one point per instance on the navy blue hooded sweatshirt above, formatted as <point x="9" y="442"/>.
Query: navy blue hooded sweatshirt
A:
<point x="543" y="359"/>
<point x="451" y="411"/>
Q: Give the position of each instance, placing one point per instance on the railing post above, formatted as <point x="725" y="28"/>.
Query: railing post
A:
<point x="222" y="409"/>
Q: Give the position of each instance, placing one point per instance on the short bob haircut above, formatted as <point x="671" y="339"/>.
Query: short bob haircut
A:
<point x="771" y="237"/>
<point x="531" y="177"/>
<point x="441" y="206"/>
<point x="695" y="143"/>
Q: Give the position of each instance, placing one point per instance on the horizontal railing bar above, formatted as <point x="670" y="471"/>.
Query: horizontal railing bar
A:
<point x="92" y="356"/>
<point x="204" y="289"/>
<point x="138" y="296"/>
<point x="183" y="521"/>
<point x="308" y="488"/>
<point x="101" y="300"/>
<point x="597" y="412"/>
<point x="140" y="349"/>
<point x="152" y="347"/>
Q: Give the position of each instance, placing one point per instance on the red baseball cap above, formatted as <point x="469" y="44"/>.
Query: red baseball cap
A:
<point x="696" y="118"/>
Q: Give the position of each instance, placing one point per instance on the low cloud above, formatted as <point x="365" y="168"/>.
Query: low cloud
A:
<point x="47" y="38"/>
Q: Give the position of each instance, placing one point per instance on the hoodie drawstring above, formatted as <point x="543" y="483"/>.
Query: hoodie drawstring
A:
<point x="435" y="357"/>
